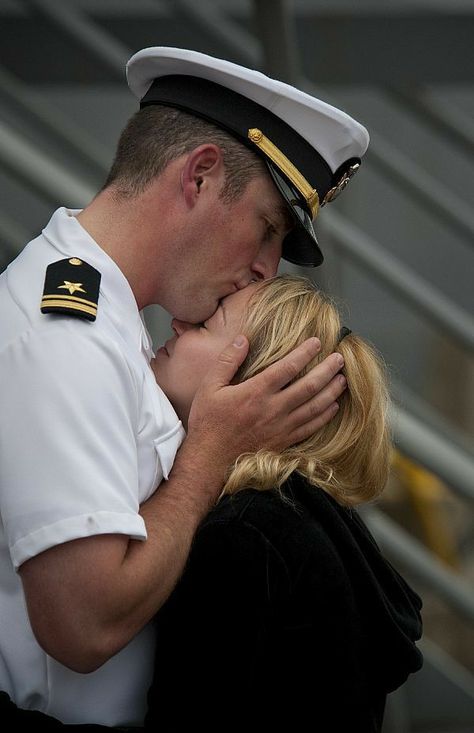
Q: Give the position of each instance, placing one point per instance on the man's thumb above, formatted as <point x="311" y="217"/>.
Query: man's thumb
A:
<point x="229" y="361"/>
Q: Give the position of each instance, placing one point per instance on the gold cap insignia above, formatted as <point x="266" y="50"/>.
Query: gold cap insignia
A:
<point x="334" y="192"/>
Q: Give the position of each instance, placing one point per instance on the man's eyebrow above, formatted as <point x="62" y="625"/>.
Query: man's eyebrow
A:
<point x="285" y="216"/>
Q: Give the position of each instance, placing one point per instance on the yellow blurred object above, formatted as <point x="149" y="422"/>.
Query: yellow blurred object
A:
<point x="427" y="494"/>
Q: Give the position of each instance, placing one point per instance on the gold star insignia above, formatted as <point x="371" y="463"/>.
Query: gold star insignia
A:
<point x="72" y="287"/>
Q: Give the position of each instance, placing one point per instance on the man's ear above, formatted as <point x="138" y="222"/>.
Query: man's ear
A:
<point x="203" y="168"/>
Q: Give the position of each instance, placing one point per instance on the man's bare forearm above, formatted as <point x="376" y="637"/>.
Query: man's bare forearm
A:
<point x="88" y="598"/>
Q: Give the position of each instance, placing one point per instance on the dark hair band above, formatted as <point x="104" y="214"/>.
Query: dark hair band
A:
<point x="343" y="333"/>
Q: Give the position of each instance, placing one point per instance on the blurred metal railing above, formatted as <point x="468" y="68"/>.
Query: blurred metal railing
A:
<point x="403" y="548"/>
<point x="99" y="43"/>
<point x="39" y="172"/>
<point x="20" y="97"/>
<point x="359" y="247"/>
<point x="435" y="452"/>
<point x="451" y="123"/>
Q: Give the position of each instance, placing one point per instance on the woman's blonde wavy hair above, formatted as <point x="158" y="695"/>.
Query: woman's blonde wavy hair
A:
<point x="348" y="457"/>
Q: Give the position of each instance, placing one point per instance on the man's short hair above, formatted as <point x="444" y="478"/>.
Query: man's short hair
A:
<point x="157" y="134"/>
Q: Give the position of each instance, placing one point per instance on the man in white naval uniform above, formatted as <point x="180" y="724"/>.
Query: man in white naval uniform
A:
<point x="86" y="436"/>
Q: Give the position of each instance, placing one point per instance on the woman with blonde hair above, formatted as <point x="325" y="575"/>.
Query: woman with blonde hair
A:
<point x="287" y="603"/>
<point x="287" y="615"/>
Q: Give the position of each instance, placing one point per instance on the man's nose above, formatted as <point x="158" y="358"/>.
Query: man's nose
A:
<point x="179" y="327"/>
<point x="266" y="264"/>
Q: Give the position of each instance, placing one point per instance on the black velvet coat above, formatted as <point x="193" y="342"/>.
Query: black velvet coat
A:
<point x="287" y="617"/>
<point x="287" y="613"/>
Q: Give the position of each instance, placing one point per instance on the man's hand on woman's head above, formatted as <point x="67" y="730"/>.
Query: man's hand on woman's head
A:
<point x="264" y="412"/>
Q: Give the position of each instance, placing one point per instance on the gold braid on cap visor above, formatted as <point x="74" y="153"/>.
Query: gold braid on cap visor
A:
<point x="309" y="193"/>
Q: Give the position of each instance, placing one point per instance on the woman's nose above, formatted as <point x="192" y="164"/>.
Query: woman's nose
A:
<point x="179" y="327"/>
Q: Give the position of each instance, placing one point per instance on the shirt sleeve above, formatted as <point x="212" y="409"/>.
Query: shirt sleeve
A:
<point x="68" y="456"/>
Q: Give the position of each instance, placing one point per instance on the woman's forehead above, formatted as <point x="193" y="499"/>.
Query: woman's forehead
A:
<point x="236" y="302"/>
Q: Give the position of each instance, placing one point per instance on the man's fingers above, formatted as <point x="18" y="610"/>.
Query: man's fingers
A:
<point x="314" y="383"/>
<point x="285" y="370"/>
<point x="309" y="428"/>
<point x="324" y="400"/>
<point x="228" y="363"/>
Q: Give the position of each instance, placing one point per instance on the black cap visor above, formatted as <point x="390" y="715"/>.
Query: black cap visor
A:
<point x="300" y="245"/>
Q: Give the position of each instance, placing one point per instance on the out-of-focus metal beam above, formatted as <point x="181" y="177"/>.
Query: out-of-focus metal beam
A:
<point x="102" y="45"/>
<point x="41" y="174"/>
<point x="411" y="401"/>
<point x="62" y="129"/>
<point x="447" y="119"/>
<point x="424" y="297"/>
<point x="387" y="43"/>
<point x="238" y="42"/>
<point x="436" y="453"/>
<point x="390" y="44"/>
<point x="404" y="549"/>
<point x="428" y="191"/>
<point x="275" y="27"/>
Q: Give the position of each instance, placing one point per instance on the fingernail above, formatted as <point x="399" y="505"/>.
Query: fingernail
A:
<point x="342" y="380"/>
<point x="335" y="407"/>
<point x="239" y="341"/>
<point x="340" y="360"/>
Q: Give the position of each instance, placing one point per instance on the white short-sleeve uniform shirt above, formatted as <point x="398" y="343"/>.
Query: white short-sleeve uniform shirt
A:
<point x="85" y="437"/>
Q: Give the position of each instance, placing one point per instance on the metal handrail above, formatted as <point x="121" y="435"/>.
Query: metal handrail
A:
<point x="422" y="186"/>
<point x="363" y="250"/>
<point x="404" y="549"/>
<point x="51" y="180"/>
<point x="101" y="44"/>
<point x="244" y="47"/>
<point x="419" y="407"/>
<point x="53" y="121"/>
<point x="438" y="454"/>
<point x="451" y="122"/>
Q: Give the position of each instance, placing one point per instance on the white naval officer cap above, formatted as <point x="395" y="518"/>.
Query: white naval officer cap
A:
<point x="311" y="148"/>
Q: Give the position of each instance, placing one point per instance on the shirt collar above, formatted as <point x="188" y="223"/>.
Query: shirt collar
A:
<point x="66" y="234"/>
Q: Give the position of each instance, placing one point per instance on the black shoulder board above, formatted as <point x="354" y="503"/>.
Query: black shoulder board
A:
<point x="71" y="287"/>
